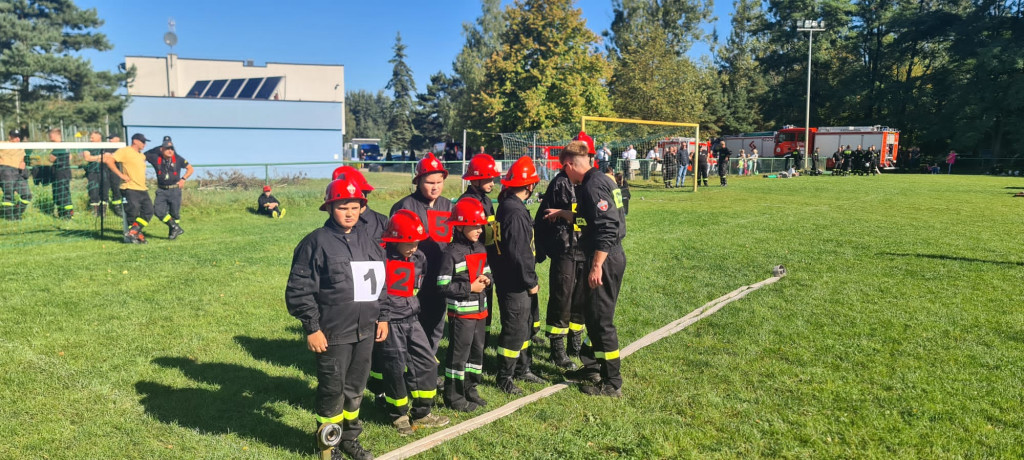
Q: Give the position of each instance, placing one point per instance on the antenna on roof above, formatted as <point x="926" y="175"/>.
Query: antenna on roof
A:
<point x="170" y="38"/>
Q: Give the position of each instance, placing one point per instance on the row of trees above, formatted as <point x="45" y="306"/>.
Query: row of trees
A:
<point x="43" y="80"/>
<point x="948" y="73"/>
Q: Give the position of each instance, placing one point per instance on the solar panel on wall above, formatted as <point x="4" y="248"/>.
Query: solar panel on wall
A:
<point x="198" y="88"/>
<point x="268" y="88"/>
<point x="232" y="88"/>
<point x="250" y="88"/>
<point x="215" y="87"/>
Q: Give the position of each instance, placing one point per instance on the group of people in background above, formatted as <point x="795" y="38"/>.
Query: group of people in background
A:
<point x="372" y="292"/>
<point x="847" y="161"/>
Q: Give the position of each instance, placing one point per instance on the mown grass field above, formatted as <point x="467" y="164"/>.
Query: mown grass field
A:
<point x="898" y="333"/>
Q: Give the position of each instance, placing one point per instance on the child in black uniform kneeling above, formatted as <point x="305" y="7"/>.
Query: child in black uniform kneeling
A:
<point x="464" y="275"/>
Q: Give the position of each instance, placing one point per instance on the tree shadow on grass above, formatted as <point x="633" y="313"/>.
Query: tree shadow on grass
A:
<point x="954" y="258"/>
<point x="241" y="404"/>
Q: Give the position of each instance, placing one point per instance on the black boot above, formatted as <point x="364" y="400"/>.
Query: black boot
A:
<point x="175" y="231"/>
<point x="355" y="450"/>
<point x="558" y="356"/>
<point x="575" y="343"/>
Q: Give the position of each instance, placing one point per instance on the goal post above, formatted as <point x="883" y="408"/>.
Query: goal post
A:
<point x="696" y="127"/>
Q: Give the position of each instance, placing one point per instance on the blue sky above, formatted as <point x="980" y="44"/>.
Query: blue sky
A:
<point x="356" y="34"/>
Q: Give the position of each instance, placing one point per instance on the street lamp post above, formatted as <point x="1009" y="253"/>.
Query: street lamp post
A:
<point x="810" y="26"/>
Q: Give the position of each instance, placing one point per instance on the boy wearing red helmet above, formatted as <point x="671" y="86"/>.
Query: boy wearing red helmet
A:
<point x="336" y="290"/>
<point x="433" y="210"/>
<point x="480" y="172"/>
<point x="371" y="222"/>
<point x="268" y="205"/>
<point x="406" y="346"/>
<point x="515" y="275"/>
<point x="463" y="276"/>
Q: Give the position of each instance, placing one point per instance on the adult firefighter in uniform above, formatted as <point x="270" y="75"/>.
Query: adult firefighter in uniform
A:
<point x="61" y="186"/>
<point x="723" y="163"/>
<point x="847" y="159"/>
<point x="599" y="203"/>
<point x="480" y="172"/>
<point x="701" y="174"/>
<point x="515" y="276"/>
<point x="12" y="181"/>
<point x="557" y="228"/>
<point x="433" y="210"/>
<point x="167" y="165"/>
<point x="336" y="290"/>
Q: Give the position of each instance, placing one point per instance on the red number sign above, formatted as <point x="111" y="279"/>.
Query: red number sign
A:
<point x="437" y="226"/>
<point x="400" y="278"/>
<point x="475" y="265"/>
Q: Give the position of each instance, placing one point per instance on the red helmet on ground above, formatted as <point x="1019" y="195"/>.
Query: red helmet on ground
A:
<point x="355" y="175"/>
<point x="342" y="189"/>
<point x="468" y="211"/>
<point x="429" y="165"/>
<point x="521" y="174"/>
<point x="582" y="136"/>
<point x="404" y="227"/>
<point x="481" y="167"/>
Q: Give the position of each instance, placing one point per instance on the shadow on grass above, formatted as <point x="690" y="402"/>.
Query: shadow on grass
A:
<point x="280" y="352"/>
<point x="954" y="258"/>
<point x="241" y="403"/>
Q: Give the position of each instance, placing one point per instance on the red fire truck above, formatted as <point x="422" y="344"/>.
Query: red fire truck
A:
<point x="830" y="138"/>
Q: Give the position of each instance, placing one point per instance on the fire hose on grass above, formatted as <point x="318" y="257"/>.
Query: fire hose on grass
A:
<point x="422" y="445"/>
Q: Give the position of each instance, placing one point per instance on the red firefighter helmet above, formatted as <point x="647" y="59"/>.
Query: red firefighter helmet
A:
<point x="467" y="211"/>
<point x="522" y="173"/>
<point x="355" y="175"/>
<point x="429" y="165"/>
<point x="404" y="227"/>
<point x="582" y="136"/>
<point x="342" y="189"/>
<point x="481" y="167"/>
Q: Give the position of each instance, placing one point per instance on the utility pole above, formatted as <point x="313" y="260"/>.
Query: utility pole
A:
<point x="810" y="26"/>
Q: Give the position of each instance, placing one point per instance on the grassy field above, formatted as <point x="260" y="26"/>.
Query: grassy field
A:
<point x="898" y="333"/>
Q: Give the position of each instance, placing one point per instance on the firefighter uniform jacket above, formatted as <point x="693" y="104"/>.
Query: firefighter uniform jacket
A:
<point x="373" y="224"/>
<point x="336" y="284"/>
<point x="168" y="172"/>
<point x="403" y="283"/>
<point x="558" y="238"/>
<point x="723" y="157"/>
<point x="514" y="271"/>
<point x="702" y="158"/>
<point x="600" y="205"/>
<point x="479" y="195"/>
<point x="461" y="263"/>
<point x="439" y="234"/>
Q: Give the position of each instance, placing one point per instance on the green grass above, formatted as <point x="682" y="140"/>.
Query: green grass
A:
<point x="898" y="333"/>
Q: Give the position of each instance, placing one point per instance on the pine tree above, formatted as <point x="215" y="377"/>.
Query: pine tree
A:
<point x="434" y="115"/>
<point x="742" y="79"/>
<point x="38" y="45"/>
<point x="400" y="128"/>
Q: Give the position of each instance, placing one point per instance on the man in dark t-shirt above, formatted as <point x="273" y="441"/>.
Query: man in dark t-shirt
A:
<point x="169" y="181"/>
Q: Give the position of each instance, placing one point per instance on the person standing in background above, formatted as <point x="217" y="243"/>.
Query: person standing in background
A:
<point x="950" y="159"/>
<point x="61" y="186"/>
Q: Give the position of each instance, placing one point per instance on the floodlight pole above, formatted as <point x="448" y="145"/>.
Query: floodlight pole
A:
<point x="809" y="26"/>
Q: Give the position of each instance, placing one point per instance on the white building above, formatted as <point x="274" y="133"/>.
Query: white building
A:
<point x="171" y="76"/>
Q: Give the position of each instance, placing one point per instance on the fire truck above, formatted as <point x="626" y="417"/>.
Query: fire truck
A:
<point x="886" y="140"/>
<point x="764" y="142"/>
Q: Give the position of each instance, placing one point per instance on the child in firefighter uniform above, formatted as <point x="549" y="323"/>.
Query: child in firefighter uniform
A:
<point x="557" y="229"/>
<point x="462" y="279"/>
<point x="599" y="203"/>
<point x="433" y="210"/>
<point x="336" y="290"/>
<point x="406" y="346"/>
<point x="480" y="172"/>
<point x="515" y="276"/>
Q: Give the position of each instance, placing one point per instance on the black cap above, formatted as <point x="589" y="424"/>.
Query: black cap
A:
<point x="139" y="136"/>
<point x="112" y="136"/>
<point x="167" y="142"/>
<point x="14" y="133"/>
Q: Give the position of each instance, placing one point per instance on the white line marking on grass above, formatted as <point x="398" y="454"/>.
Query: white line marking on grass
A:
<point x="422" y="445"/>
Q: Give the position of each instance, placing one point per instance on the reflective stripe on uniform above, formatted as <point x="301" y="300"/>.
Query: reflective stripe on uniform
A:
<point x="376" y="375"/>
<point x="166" y="218"/>
<point x="443" y="280"/>
<point x="141" y="221"/>
<point x="555" y="330"/>
<point x="397" y="402"/>
<point x="350" y="415"/>
<point x="508" y="353"/>
<point x="474" y="368"/>
<point x="526" y="344"/>
<point x="536" y="324"/>
<point x="417" y="394"/>
<point x="454" y="374"/>
<point x="575" y="327"/>
<point x="116" y="202"/>
<point x="336" y="419"/>
<point x="606" y="355"/>
<point x="460" y="267"/>
<point x="69" y="207"/>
